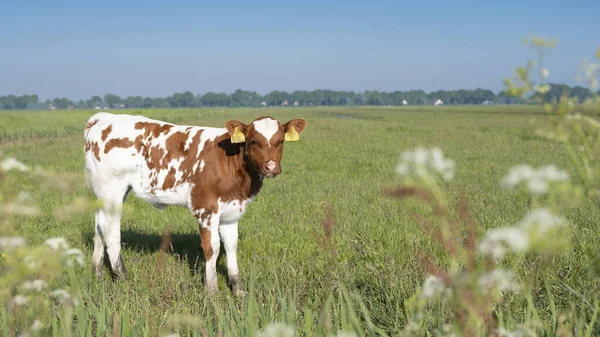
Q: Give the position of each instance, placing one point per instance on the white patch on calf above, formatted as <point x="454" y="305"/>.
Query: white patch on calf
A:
<point x="266" y="127"/>
<point x="231" y="211"/>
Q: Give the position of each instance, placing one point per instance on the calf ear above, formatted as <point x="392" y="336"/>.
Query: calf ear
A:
<point x="293" y="129"/>
<point x="236" y="130"/>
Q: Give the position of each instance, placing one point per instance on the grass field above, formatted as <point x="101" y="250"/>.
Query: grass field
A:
<point x="346" y="158"/>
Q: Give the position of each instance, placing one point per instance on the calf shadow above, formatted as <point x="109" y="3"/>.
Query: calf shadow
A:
<point x="185" y="246"/>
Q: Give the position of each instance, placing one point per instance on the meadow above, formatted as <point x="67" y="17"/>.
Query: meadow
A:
<point x="361" y="276"/>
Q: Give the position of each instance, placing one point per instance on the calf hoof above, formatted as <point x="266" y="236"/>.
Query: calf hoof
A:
<point x="98" y="270"/>
<point x="119" y="270"/>
<point x="240" y="292"/>
<point x="212" y="291"/>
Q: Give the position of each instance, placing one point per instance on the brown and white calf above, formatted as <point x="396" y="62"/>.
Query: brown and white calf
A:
<point x="215" y="172"/>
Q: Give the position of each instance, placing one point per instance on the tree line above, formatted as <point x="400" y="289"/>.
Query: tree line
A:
<point x="244" y="98"/>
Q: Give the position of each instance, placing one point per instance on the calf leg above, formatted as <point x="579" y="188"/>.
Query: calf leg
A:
<point x="108" y="230"/>
<point x="229" y="236"/>
<point x="98" y="254"/>
<point x="209" y="235"/>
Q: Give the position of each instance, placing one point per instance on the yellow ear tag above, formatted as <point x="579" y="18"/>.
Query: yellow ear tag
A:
<point x="292" y="135"/>
<point x="238" y="136"/>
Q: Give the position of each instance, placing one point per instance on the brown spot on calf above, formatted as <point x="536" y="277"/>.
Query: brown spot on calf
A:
<point x="118" y="142"/>
<point x="106" y="132"/>
<point x="205" y="242"/>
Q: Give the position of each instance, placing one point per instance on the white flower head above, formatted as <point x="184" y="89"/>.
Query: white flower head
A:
<point x="57" y="243"/>
<point x="424" y="164"/>
<point x="61" y="295"/>
<point x="36" y="285"/>
<point x="536" y="180"/>
<point x="432" y="287"/>
<point x="31" y="262"/>
<point x="9" y="164"/>
<point x="497" y="242"/>
<point x="522" y="332"/>
<point x="277" y="330"/>
<point x="74" y="255"/>
<point x="9" y="242"/>
<point x="501" y="280"/>
<point x="37" y="325"/>
<point x="23" y="196"/>
<point x="542" y="220"/>
<point x="542" y="88"/>
<point x="20" y="300"/>
<point x="545" y="73"/>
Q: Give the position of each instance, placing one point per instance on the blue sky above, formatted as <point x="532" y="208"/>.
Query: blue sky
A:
<point x="82" y="48"/>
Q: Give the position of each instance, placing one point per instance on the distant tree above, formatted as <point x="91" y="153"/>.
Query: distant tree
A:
<point x="112" y="100"/>
<point x="245" y="98"/>
<point x="128" y="101"/>
<point x="159" y="102"/>
<point x="61" y="102"/>
<point x="581" y="94"/>
<point x="96" y="101"/>
<point x="20" y="102"/>
<point x="186" y="99"/>
<point x="147" y="102"/>
<point x="197" y="101"/>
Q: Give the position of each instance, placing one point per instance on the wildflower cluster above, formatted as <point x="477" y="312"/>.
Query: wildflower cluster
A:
<point x="425" y="165"/>
<point x="537" y="180"/>
<point x="34" y="284"/>
<point x="476" y="275"/>
<point x="536" y="230"/>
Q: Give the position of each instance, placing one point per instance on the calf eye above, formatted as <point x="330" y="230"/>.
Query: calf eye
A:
<point x="252" y="142"/>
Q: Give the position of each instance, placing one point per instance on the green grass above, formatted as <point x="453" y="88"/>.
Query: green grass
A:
<point x="346" y="158"/>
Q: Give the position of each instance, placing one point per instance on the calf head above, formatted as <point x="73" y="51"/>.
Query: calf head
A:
<point x="263" y="141"/>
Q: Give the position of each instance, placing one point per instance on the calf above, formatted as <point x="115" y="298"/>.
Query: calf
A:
<point x="215" y="172"/>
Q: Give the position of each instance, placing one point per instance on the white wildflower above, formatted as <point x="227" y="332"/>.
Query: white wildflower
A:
<point x="31" y="263"/>
<point x="37" y="285"/>
<point x="432" y="287"/>
<point x="501" y="280"/>
<point x="523" y="332"/>
<point x="412" y="327"/>
<point x="545" y="73"/>
<point x="498" y="241"/>
<point x="542" y="220"/>
<point x="7" y="242"/>
<point x="37" y="325"/>
<point x="448" y="330"/>
<point x="425" y="163"/>
<point x="542" y="88"/>
<point x="20" y="300"/>
<point x="23" y="196"/>
<point x="18" y="209"/>
<point x="277" y="330"/>
<point x="552" y="173"/>
<point x="13" y="164"/>
<point x="74" y="255"/>
<point x="57" y="243"/>
<point x="61" y="295"/>
<point x="174" y="334"/>
<point x="516" y="174"/>
<point x="536" y="180"/>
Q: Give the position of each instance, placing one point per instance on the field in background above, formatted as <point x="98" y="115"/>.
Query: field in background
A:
<point x="346" y="158"/>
